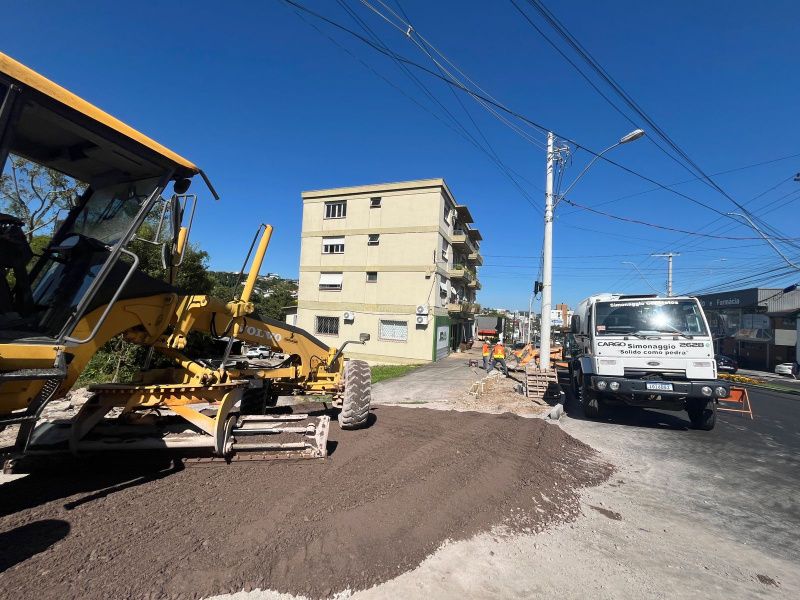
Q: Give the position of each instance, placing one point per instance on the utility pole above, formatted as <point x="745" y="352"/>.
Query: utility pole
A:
<point x="668" y="256"/>
<point x="530" y="317"/>
<point x="547" y="256"/>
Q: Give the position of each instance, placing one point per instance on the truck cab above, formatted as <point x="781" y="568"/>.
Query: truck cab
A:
<point x="645" y="351"/>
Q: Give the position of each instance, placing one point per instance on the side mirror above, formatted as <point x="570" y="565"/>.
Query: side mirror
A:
<point x="363" y="338"/>
<point x="575" y="324"/>
<point x="181" y="186"/>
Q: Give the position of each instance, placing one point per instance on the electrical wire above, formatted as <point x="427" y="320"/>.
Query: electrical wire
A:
<point x="504" y="108"/>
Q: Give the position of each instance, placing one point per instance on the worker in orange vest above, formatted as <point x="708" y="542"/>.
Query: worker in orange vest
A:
<point x="499" y="356"/>
<point x="485" y="352"/>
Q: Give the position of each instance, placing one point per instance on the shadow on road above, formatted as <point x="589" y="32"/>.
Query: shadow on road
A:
<point x="56" y="478"/>
<point x="22" y="542"/>
<point x="625" y="415"/>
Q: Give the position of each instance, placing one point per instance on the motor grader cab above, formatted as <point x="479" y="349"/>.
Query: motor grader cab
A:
<point x="85" y="287"/>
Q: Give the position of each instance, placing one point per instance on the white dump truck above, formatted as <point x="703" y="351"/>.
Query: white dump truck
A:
<point x="645" y="351"/>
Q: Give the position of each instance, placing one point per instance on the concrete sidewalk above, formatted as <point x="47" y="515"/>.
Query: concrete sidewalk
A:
<point x="442" y="381"/>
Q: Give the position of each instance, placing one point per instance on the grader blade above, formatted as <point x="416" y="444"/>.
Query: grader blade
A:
<point x="199" y="421"/>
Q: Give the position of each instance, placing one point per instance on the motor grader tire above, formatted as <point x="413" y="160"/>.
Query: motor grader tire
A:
<point x="255" y="401"/>
<point x="357" y="395"/>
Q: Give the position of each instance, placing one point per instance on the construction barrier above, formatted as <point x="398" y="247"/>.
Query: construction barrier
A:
<point x="738" y="396"/>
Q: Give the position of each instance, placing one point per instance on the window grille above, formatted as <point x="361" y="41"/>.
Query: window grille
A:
<point x="327" y="325"/>
<point x="393" y="330"/>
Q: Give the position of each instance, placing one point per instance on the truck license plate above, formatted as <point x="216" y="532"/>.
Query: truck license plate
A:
<point x="659" y="386"/>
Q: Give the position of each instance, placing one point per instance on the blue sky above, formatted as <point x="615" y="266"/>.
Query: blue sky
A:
<point x="269" y="107"/>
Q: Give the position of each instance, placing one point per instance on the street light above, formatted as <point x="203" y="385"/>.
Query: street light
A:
<point x="633" y="264"/>
<point x="547" y="255"/>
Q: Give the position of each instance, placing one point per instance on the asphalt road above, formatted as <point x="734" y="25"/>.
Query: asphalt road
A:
<point x="743" y="477"/>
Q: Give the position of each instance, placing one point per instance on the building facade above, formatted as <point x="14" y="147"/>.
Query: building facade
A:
<point x="757" y="326"/>
<point x="397" y="261"/>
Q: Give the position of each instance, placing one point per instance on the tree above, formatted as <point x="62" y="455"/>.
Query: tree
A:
<point x="36" y="194"/>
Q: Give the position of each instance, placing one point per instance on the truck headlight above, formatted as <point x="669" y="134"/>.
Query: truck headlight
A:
<point x="721" y="392"/>
<point x="601" y="385"/>
<point x="706" y="390"/>
<point x="614" y="385"/>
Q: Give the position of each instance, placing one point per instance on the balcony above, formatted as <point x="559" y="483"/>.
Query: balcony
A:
<point x="474" y="284"/>
<point x="468" y="308"/>
<point x="474" y="234"/>
<point x="459" y="238"/>
<point x="475" y="258"/>
<point x="461" y="272"/>
<point x="463" y="214"/>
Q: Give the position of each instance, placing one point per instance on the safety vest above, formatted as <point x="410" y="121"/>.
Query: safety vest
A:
<point x="499" y="351"/>
<point x="485" y="350"/>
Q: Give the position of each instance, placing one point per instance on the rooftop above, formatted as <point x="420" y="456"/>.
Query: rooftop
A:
<point x="398" y="186"/>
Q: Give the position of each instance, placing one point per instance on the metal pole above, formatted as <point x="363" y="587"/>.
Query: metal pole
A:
<point x="669" y="275"/>
<point x="530" y="319"/>
<point x="547" y="267"/>
<point x="668" y="256"/>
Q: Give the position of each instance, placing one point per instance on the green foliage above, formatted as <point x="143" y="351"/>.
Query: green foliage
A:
<point x="270" y="295"/>
<point x="384" y="372"/>
<point x="36" y="194"/>
<point x="115" y="361"/>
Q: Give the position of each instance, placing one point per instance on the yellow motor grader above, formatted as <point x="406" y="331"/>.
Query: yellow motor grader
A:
<point x="86" y="288"/>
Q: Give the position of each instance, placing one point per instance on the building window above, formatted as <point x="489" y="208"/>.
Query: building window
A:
<point x="445" y="249"/>
<point x="372" y="277"/>
<point x="327" y="325"/>
<point x="396" y="331"/>
<point x="373" y="239"/>
<point x="336" y="210"/>
<point x="447" y="212"/>
<point x="375" y="202"/>
<point x="330" y="282"/>
<point x="333" y="245"/>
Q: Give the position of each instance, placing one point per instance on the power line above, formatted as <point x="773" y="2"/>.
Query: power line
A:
<point x="459" y="129"/>
<point x="664" y="227"/>
<point x="502" y="107"/>
<point x="685" y="181"/>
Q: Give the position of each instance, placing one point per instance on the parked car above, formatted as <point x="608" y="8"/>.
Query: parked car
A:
<point x="790" y="369"/>
<point x="726" y="364"/>
<point x="258" y="352"/>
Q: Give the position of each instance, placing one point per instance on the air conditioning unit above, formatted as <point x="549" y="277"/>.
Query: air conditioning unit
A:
<point x="422" y="309"/>
<point x="422" y="319"/>
<point x="453" y="214"/>
<point x="349" y="315"/>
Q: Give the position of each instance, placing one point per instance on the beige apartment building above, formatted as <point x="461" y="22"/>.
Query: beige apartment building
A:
<point x="397" y="261"/>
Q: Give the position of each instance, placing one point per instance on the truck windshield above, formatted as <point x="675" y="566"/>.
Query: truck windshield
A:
<point x="656" y="316"/>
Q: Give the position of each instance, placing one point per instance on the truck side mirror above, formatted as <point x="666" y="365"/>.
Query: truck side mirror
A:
<point x="363" y="337"/>
<point x="575" y="324"/>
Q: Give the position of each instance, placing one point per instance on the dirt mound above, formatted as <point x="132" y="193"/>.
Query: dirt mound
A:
<point x="386" y="498"/>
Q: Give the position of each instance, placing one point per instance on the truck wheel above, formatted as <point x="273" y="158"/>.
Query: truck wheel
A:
<point x="585" y="396"/>
<point x="357" y="395"/>
<point x="703" y="414"/>
<point x="591" y="405"/>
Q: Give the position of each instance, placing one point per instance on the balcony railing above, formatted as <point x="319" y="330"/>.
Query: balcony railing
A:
<point x="463" y="308"/>
<point x="460" y="271"/>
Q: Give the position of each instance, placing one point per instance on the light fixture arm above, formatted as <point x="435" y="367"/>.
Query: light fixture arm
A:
<point x="755" y="228"/>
